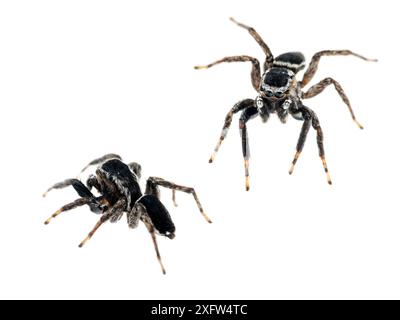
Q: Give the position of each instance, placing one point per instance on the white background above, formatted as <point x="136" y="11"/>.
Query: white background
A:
<point x="79" y="79"/>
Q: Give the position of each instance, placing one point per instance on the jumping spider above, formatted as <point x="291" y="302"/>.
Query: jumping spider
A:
<point x="118" y="185"/>
<point x="279" y="92"/>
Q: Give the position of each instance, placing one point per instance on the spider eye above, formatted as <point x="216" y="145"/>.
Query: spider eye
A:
<point x="269" y="93"/>
<point x="279" y="94"/>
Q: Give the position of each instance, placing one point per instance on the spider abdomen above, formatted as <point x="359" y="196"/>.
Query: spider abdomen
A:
<point x="158" y="214"/>
<point x="294" y="61"/>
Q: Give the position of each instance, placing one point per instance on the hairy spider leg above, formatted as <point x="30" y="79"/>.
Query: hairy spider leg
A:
<point x="313" y="66"/>
<point x="300" y="144"/>
<point x="139" y="212"/>
<point x="82" y="190"/>
<point x="77" y="203"/>
<point x="241" y="105"/>
<point x="255" y="70"/>
<point x="320" y="86"/>
<point x="247" y="114"/>
<point x="153" y="237"/>
<point x="269" y="58"/>
<point x="154" y="182"/>
<point x="116" y="209"/>
<point x="310" y="115"/>
<point x="174" y="198"/>
<point x="134" y="215"/>
<point x="93" y="182"/>
<point x="320" y="143"/>
<point x="136" y="169"/>
<point x="101" y="160"/>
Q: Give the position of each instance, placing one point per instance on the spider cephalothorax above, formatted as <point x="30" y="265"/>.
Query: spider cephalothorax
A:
<point x="120" y="192"/>
<point x="275" y="92"/>
<point x="279" y="92"/>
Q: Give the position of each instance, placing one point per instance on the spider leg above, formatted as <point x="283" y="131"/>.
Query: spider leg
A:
<point x="320" y="86"/>
<point x="115" y="210"/>
<point x="228" y="121"/>
<point x="269" y="59"/>
<point x="134" y="215"/>
<point x="310" y="115"/>
<point x="154" y="190"/>
<point x="93" y="182"/>
<point x="320" y="143"/>
<point x="246" y="115"/>
<point x="300" y="144"/>
<point x="154" y="182"/>
<point x="77" y="203"/>
<point x="174" y="198"/>
<point x="156" y="219"/>
<point x="80" y="188"/>
<point x="136" y="168"/>
<point x="255" y="70"/>
<point x="153" y="237"/>
<point x="313" y="66"/>
<point x="101" y="159"/>
<point x="116" y="216"/>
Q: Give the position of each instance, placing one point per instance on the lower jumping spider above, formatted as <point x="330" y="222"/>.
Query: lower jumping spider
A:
<point x="279" y="92"/>
<point x="118" y="185"/>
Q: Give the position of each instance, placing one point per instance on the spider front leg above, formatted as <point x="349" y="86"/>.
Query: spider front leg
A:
<point x="116" y="210"/>
<point x="300" y="143"/>
<point x="255" y="70"/>
<point x="312" y="68"/>
<point x="246" y="115"/>
<point x="310" y="118"/>
<point x="269" y="58"/>
<point x="95" y="204"/>
<point x="77" y="203"/>
<point x="79" y="187"/>
<point x="101" y="160"/>
<point x="136" y="168"/>
<point x="320" y="86"/>
<point x="154" y="182"/>
<point x="320" y="143"/>
<point x="228" y="121"/>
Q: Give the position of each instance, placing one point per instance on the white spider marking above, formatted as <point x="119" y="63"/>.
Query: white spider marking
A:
<point x="287" y="104"/>
<point x="289" y="65"/>
<point x="259" y="103"/>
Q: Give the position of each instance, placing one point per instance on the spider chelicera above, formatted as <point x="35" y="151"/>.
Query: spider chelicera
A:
<point x="118" y="185"/>
<point x="279" y="92"/>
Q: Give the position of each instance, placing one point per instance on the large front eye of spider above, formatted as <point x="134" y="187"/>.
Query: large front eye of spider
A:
<point x="279" y="94"/>
<point x="269" y="93"/>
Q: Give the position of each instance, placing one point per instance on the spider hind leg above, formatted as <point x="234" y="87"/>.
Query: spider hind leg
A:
<point x="154" y="182"/>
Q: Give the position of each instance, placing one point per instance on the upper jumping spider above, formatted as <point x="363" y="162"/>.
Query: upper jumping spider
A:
<point x="280" y="92"/>
<point x="118" y="185"/>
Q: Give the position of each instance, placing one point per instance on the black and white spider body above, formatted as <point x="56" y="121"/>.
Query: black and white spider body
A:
<point x="114" y="180"/>
<point x="274" y="94"/>
<point x="279" y="92"/>
<point x="120" y="192"/>
<point x="294" y="61"/>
